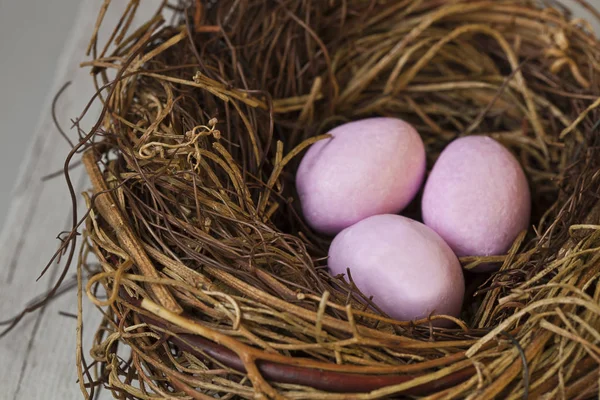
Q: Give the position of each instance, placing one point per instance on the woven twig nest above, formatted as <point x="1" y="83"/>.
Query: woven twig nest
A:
<point x="217" y="287"/>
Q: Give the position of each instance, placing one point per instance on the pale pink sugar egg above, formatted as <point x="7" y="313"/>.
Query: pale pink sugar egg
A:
<point x="368" y="167"/>
<point x="407" y="268"/>
<point x="477" y="197"/>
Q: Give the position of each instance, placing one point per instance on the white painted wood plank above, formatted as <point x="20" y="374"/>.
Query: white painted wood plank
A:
<point x="39" y="355"/>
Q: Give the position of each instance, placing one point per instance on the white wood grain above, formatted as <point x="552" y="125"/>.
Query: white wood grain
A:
<point x="38" y="357"/>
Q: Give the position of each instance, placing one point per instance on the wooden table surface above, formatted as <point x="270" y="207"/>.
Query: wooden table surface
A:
<point x="38" y="356"/>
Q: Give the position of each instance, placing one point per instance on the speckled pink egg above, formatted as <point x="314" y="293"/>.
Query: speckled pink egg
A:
<point x="408" y="268"/>
<point x="477" y="197"/>
<point x="368" y="167"/>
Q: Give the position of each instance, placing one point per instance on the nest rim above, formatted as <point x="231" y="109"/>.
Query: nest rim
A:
<point x="113" y="216"/>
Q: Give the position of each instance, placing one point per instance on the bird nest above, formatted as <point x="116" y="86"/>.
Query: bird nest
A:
<point x="210" y="283"/>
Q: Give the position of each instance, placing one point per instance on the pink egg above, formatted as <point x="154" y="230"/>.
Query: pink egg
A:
<point x="407" y="268"/>
<point x="372" y="166"/>
<point x="476" y="197"/>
